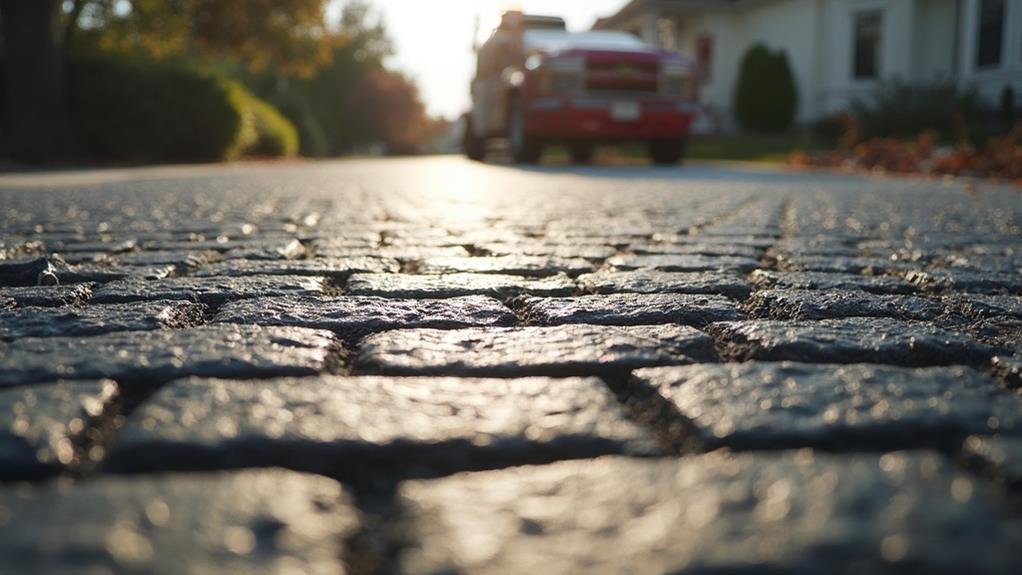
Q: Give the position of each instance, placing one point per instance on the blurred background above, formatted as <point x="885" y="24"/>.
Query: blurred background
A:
<point x="927" y="86"/>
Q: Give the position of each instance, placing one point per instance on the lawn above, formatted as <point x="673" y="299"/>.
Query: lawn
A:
<point x="733" y="147"/>
<point x="745" y="148"/>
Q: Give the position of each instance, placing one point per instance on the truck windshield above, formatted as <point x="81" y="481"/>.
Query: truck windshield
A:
<point x="554" y="40"/>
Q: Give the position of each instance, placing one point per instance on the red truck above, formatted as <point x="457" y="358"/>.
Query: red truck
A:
<point x="538" y="84"/>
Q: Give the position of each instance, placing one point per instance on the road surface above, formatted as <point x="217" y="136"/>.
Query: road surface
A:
<point x="429" y="365"/>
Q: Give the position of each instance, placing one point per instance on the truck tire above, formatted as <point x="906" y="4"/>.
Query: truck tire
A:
<point x="581" y="153"/>
<point x="666" y="152"/>
<point x="524" y="149"/>
<point x="473" y="146"/>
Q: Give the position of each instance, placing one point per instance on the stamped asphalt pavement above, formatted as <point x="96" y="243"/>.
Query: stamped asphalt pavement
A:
<point x="436" y="366"/>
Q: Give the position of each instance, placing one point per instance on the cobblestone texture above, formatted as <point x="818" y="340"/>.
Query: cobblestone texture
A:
<point x="210" y="291"/>
<point x="162" y="355"/>
<point x="684" y="263"/>
<point x="353" y="316"/>
<point x="839" y="264"/>
<point x="103" y="272"/>
<point x="967" y="280"/>
<point x="245" y="522"/>
<point x="454" y="285"/>
<point x="830" y="304"/>
<point x="777" y="405"/>
<point x="40" y="424"/>
<point x="629" y="309"/>
<point x="849" y="349"/>
<point x="330" y="267"/>
<point x="552" y="351"/>
<point x="982" y="306"/>
<point x="94" y="320"/>
<point x="342" y="426"/>
<point x="565" y="251"/>
<point x="45" y="296"/>
<point x="997" y="457"/>
<point x="645" y="281"/>
<point x="765" y="279"/>
<point x="36" y="271"/>
<point x="851" y="340"/>
<point x="533" y="266"/>
<point x="778" y="513"/>
<point x="1009" y="370"/>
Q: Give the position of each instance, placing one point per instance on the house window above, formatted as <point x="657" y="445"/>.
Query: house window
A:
<point x="866" y="55"/>
<point x="990" y="33"/>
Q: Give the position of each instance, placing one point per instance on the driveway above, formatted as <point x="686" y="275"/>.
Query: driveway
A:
<point x="430" y="365"/>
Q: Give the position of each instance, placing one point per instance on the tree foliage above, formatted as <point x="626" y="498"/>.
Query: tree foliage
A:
<point x="355" y="103"/>
<point x="289" y="36"/>
<point x="765" y="97"/>
<point x="392" y="109"/>
<point x="330" y="80"/>
<point x="364" y="34"/>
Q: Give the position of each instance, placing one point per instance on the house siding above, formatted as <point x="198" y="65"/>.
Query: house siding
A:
<point x="921" y="41"/>
<point x="935" y="40"/>
<point x="990" y="82"/>
<point x="838" y="87"/>
<point x="788" y="25"/>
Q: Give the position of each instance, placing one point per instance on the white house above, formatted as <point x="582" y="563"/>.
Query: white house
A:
<point x="837" y="48"/>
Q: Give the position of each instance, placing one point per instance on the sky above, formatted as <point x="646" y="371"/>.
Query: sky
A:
<point x="433" y="38"/>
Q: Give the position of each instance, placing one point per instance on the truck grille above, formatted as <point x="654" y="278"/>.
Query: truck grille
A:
<point x="622" y="77"/>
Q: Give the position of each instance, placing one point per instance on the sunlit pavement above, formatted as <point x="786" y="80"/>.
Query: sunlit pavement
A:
<point x="430" y="365"/>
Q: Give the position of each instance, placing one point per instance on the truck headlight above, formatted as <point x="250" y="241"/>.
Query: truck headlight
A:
<point x="564" y="75"/>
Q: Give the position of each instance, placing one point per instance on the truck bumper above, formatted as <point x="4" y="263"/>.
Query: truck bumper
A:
<point x="594" y="119"/>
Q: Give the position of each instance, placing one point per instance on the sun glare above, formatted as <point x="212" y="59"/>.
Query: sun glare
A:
<point x="434" y="40"/>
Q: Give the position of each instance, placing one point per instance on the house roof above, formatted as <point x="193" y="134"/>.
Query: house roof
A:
<point x="636" y="8"/>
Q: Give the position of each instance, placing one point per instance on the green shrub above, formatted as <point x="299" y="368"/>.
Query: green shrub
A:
<point x="897" y="109"/>
<point x="266" y="132"/>
<point x="134" y="111"/>
<point x="1007" y="110"/>
<point x="766" y="97"/>
<point x="141" y="111"/>
<point x="829" y="129"/>
<point x="313" y="140"/>
<point x="3" y="109"/>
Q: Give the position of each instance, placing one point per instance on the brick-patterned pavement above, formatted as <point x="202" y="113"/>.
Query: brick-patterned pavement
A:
<point x="432" y="366"/>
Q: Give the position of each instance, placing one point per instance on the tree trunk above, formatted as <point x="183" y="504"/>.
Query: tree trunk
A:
<point x="36" y="113"/>
<point x="71" y="25"/>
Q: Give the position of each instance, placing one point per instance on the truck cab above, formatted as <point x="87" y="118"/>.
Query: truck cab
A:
<point x="537" y="84"/>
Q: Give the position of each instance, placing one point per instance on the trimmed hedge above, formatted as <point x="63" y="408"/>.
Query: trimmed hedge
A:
<point x="133" y="111"/>
<point x="141" y="111"/>
<point x="765" y="97"/>
<point x="266" y="131"/>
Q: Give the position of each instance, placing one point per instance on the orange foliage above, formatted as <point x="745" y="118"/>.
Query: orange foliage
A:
<point x="288" y="36"/>
<point x="1000" y="158"/>
<point x="391" y="103"/>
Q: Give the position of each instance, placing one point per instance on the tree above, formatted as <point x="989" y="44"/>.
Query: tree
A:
<point x="389" y="103"/>
<point x="36" y="115"/>
<point x="289" y="36"/>
<point x="332" y="83"/>
<point x="765" y="97"/>
<point x="367" y="39"/>
<point x="326" y="107"/>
